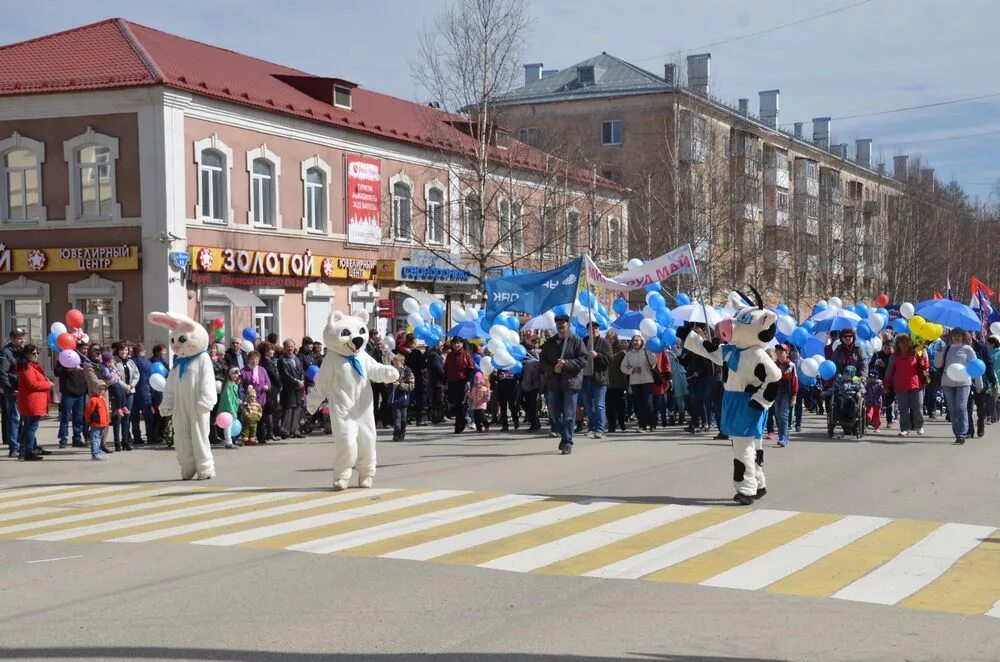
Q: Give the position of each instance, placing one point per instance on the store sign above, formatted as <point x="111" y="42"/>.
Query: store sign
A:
<point x="275" y="264"/>
<point x="386" y="308"/>
<point x="400" y="270"/>
<point x="364" y="200"/>
<point x="49" y="260"/>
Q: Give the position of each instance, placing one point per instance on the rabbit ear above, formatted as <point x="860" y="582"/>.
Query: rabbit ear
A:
<point x="166" y="320"/>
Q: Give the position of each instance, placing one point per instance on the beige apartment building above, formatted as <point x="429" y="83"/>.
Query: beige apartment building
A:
<point x="803" y="216"/>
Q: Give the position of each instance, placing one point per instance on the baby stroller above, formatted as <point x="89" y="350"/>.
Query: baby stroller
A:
<point x="847" y="407"/>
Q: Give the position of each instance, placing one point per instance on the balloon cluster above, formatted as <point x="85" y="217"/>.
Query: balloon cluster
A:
<point x="219" y="329"/>
<point x="227" y="421"/>
<point x="422" y="321"/>
<point x="64" y="339"/>
<point x="588" y="310"/>
<point x="504" y="346"/>
<point x="922" y="330"/>
<point x="158" y="376"/>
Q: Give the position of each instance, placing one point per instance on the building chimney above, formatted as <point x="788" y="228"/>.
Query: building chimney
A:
<point x="769" y="107"/>
<point x="798" y="130"/>
<point x="670" y="74"/>
<point x="744" y="107"/>
<point x="863" y="152"/>
<point x="699" y="71"/>
<point x="840" y="150"/>
<point x="927" y="178"/>
<point x="821" y="132"/>
<point x="532" y="72"/>
<point x="899" y="167"/>
<point x="549" y="72"/>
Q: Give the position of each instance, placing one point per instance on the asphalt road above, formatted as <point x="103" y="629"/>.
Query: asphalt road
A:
<point x="101" y="600"/>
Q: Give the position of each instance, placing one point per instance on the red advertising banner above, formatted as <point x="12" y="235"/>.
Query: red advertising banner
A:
<point x="386" y="308"/>
<point x="364" y="200"/>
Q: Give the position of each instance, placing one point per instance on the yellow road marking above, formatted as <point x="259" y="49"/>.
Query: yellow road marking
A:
<point x="522" y="541"/>
<point x="128" y="499"/>
<point x="337" y="528"/>
<point x="711" y="563"/>
<point x="971" y="586"/>
<point x="643" y="542"/>
<point x="70" y="494"/>
<point x="852" y="562"/>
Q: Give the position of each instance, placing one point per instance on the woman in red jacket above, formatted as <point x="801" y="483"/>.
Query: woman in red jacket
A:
<point x="906" y="377"/>
<point x="32" y="401"/>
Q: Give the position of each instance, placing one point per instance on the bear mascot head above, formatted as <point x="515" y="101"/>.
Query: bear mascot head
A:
<point x="346" y="335"/>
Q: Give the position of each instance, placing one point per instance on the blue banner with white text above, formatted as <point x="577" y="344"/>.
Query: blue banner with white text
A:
<point x="533" y="293"/>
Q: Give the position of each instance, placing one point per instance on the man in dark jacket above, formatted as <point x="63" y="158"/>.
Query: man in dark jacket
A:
<point x="416" y="361"/>
<point x="595" y="381"/>
<point x="307" y="357"/>
<point x="292" y="382"/>
<point x="235" y="357"/>
<point x="141" y="403"/>
<point x="9" y="357"/>
<point x="73" y="388"/>
<point x="458" y="370"/>
<point x="435" y="376"/>
<point x="563" y="358"/>
<point x="982" y="399"/>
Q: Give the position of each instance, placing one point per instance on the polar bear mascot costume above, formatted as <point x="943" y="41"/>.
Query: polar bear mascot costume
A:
<point x="343" y="381"/>
<point x="750" y="380"/>
<point x="190" y="394"/>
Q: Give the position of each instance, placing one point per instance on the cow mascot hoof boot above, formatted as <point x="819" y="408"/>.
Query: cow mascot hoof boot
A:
<point x="344" y="381"/>
<point x="750" y="379"/>
<point x="761" y="493"/>
<point x="189" y="395"/>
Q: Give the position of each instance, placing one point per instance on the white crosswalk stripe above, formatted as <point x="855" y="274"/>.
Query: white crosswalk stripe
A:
<point x="89" y="503"/>
<point x="676" y="551"/>
<point x="83" y="493"/>
<point x="458" y="542"/>
<point x="331" y="518"/>
<point x="411" y="525"/>
<point x="558" y="550"/>
<point x="792" y="557"/>
<point x="917" y="566"/>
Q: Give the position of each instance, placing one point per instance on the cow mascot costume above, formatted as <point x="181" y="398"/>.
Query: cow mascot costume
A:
<point x="344" y="381"/>
<point x="750" y="380"/>
<point x="190" y="394"/>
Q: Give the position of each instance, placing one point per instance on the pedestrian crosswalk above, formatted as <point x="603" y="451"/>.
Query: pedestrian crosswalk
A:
<point x="933" y="566"/>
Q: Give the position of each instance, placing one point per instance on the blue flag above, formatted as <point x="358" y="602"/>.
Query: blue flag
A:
<point x="533" y="293"/>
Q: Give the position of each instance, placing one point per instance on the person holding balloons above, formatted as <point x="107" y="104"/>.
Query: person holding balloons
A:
<point x="980" y="398"/>
<point x="906" y="377"/>
<point x="73" y="389"/>
<point x="957" y="381"/>
<point x="230" y="402"/>
<point x="159" y="369"/>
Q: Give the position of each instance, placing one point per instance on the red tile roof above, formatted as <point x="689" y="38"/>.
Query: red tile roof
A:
<point x="117" y="53"/>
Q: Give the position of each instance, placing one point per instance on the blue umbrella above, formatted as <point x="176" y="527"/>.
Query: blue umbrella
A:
<point x="835" y="320"/>
<point x="467" y="330"/>
<point x="952" y="314"/>
<point x="629" y="321"/>
<point x="926" y="302"/>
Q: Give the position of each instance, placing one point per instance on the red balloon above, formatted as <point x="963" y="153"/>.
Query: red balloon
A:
<point x="218" y="323"/>
<point x="882" y="301"/>
<point x="74" y="319"/>
<point x="66" y="341"/>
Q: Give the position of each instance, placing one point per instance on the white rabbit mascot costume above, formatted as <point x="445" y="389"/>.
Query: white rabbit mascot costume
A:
<point x="750" y="380"/>
<point x="190" y="394"/>
<point x="344" y="380"/>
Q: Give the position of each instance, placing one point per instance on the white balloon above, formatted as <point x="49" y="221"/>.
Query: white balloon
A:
<point x="809" y="367"/>
<point x="819" y="358"/>
<point x="875" y="321"/>
<point x="411" y="305"/>
<point x="514" y="337"/>
<point x="425" y="311"/>
<point x="550" y="318"/>
<point x="246" y="346"/>
<point x="822" y="302"/>
<point x="835" y="302"/>
<point x="496" y="345"/>
<point x="414" y="320"/>
<point x="876" y="344"/>
<point x="634" y="262"/>
<point x="389" y="342"/>
<point x="995" y="329"/>
<point x="648" y="312"/>
<point x="647" y="328"/>
<point x="157" y="382"/>
<point x="218" y="386"/>
<point x="486" y="365"/>
<point x="786" y="324"/>
<point x="498" y="332"/>
<point x="906" y="310"/>
<point x="457" y="313"/>
<point x="583" y="315"/>
<point x="956" y="371"/>
<point x="502" y="359"/>
<point x="58" y="328"/>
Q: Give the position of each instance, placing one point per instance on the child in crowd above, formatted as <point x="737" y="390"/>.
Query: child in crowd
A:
<point x="96" y="415"/>
<point x="788" y="391"/>
<point x="252" y="413"/>
<point x="874" y="392"/>
<point x="109" y="373"/>
<point x="230" y="402"/>
<point x="479" y="396"/>
<point x="399" y="396"/>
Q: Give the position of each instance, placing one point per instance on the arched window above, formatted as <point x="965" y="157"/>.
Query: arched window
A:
<point x="511" y="227"/>
<point x="264" y="167"/>
<point x="402" y="211"/>
<point x="472" y="222"/>
<point x="213" y="185"/>
<point x="21" y="186"/>
<point x="92" y="158"/>
<point x="315" y="200"/>
<point x="435" y="216"/>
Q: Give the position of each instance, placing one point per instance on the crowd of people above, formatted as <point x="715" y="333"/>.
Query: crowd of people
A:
<point x="600" y="384"/>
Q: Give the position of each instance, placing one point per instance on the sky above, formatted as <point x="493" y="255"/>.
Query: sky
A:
<point x="874" y="56"/>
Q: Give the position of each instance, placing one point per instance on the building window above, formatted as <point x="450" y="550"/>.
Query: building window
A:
<point x="435" y="215"/>
<point x="529" y="136"/>
<point x="615" y="239"/>
<point x="266" y="318"/>
<point x="262" y="192"/>
<point x="572" y="234"/>
<point x="342" y="97"/>
<point x="611" y="132"/>
<point x="472" y="222"/>
<point x="549" y="229"/>
<point x="315" y="200"/>
<point x="264" y="167"/>
<point x="511" y="230"/>
<point x="99" y="318"/>
<point x="213" y="186"/>
<point x="214" y="160"/>
<point x="92" y="157"/>
<point x="21" y="160"/>
<point x="784" y="259"/>
<point x="402" y="211"/>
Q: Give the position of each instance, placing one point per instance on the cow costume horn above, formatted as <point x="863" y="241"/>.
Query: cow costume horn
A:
<point x="760" y="301"/>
